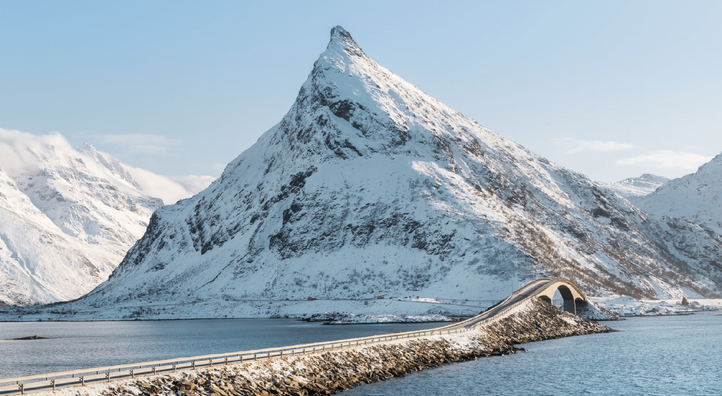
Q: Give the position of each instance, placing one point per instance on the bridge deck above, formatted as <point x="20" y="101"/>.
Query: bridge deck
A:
<point x="43" y="382"/>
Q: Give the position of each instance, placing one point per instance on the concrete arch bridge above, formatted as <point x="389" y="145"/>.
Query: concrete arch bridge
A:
<point x="570" y="292"/>
<point x="542" y="289"/>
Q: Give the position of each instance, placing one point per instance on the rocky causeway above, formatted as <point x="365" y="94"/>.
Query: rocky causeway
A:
<point x="335" y="371"/>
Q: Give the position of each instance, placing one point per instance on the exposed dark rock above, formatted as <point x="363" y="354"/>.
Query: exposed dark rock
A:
<point x="30" y="338"/>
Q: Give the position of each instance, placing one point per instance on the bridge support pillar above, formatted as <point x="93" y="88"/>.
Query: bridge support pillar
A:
<point x="570" y="306"/>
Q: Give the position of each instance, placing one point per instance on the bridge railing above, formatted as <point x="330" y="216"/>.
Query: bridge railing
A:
<point x="474" y="322"/>
<point x="21" y="385"/>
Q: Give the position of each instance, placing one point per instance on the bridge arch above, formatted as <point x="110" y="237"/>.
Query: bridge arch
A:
<point x="569" y="291"/>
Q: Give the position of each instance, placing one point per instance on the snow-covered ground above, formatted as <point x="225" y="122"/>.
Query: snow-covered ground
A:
<point x="627" y="306"/>
<point x="385" y="310"/>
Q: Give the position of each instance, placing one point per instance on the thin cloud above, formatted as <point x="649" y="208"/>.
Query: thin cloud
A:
<point x="163" y="187"/>
<point x="574" y="146"/>
<point x="194" y="184"/>
<point x="21" y="150"/>
<point x="668" y="159"/>
<point x="139" y="143"/>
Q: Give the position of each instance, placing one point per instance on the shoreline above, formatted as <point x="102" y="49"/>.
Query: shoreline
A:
<point x="343" y="311"/>
<point x="300" y="319"/>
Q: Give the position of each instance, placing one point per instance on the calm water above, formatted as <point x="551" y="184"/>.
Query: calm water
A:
<point x="93" y="344"/>
<point x="679" y="355"/>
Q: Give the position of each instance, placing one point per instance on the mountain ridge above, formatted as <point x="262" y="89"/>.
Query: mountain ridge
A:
<point x="696" y="197"/>
<point x="635" y="187"/>
<point x="67" y="217"/>
<point x="369" y="186"/>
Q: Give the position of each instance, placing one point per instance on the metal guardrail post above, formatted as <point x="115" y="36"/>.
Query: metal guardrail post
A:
<point x="22" y="389"/>
<point x="132" y="373"/>
<point x="82" y="381"/>
<point x="107" y="376"/>
<point x="53" y="384"/>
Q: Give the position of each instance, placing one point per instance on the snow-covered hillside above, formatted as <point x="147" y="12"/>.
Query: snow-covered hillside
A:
<point x="635" y="187"/>
<point x="67" y="217"/>
<point x="696" y="197"/>
<point x="368" y="186"/>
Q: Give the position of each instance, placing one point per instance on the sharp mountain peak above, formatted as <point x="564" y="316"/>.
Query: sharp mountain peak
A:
<point x="370" y="186"/>
<point x="340" y="38"/>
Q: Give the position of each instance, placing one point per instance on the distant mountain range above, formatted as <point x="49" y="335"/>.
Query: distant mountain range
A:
<point x="696" y="197"/>
<point x="67" y="216"/>
<point x="368" y="186"/>
<point x="636" y="187"/>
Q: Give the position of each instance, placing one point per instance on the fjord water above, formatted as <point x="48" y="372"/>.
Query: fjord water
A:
<point x="78" y="345"/>
<point x="672" y="355"/>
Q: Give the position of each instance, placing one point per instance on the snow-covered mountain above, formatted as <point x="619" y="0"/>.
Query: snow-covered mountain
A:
<point x="635" y="187"/>
<point x="67" y="217"/>
<point x="370" y="186"/>
<point x="696" y="197"/>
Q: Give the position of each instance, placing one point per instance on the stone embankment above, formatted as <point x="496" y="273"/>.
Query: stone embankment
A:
<point x="594" y="311"/>
<point x="332" y="372"/>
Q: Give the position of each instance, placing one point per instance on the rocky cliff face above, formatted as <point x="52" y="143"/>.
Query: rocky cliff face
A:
<point x="369" y="186"/>
<point x="67" y="218"/>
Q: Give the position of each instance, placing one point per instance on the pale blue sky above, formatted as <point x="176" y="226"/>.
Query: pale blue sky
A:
<point x="611" y="89"/>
